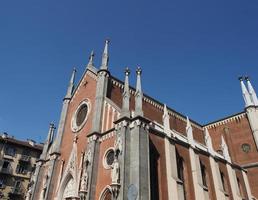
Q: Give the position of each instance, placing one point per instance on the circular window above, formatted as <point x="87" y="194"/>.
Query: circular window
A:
<point x="246" y="148"/>
<point x="80" y="116"/>
<point x="109" y="158"/>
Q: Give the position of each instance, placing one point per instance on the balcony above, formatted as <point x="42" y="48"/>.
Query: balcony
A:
<point x="24" y="158"/>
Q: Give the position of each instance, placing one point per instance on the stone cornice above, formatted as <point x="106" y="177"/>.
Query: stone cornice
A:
<point x="226" y="120"/>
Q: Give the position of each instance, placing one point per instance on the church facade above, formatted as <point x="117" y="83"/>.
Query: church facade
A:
<point x="114" y="142"/>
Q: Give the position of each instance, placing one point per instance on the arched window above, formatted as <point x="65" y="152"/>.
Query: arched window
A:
<point x="180" y="167"/>
<point x="240" y="188"/>
<point x="180" y="176"/>
<point x="106" y="194"/>
<point x="224" y="181"/>
<point x="203" y="173"/>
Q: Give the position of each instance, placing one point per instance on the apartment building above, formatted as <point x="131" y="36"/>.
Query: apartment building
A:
<point x="17" y="163"/>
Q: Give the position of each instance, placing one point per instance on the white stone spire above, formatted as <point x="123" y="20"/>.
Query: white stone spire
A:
<point x="224" y="148"/>
<point x="126" y="95"/>
<point x="90" y="63"/>
<point x="251" y="91"/>
<point x="105" y="57"/>
<point x="138" y="94"/>
<point x="71" y="85"/>
<point x="189" y="131"/>
<point x="208" y="141"/>
<point x="246" y="94"/>
<point x="166" y="118"/>
<point x="48" y="141"/>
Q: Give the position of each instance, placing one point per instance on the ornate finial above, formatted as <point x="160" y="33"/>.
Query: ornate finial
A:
<point x="105" y="56"/>
<point x="127" y="71"/>
<point x="138" y="70"/>
<point x="52" y="125"/>
<point x="90" y="64"/>
<point x="247" y="78"/>
<point x="92" y="55"/>
<point x="126" y="95"/>
<point x="240" y="78"/>
<point x="107" y="41"/>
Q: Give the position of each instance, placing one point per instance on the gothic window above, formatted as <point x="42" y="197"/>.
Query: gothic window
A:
<point x="240" y="188"/>
<point x="80" y="116"/>
<point x="109" y="158"/>
<point x="180" y="167"/>
<point x="203" y="173"/>
<point x="106" y="195"/>
<point x="154" y="171"/>
<point x="180" y="176"/>
<point x="224" y="182"/>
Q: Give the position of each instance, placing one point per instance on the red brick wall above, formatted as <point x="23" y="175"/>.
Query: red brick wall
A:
<point x="206" y="162"/>
<point x="155" y="114"/>
<point x="84" y="91"/>
<point x="162" y="175"/>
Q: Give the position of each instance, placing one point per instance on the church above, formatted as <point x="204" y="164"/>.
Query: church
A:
<point x="113" y="142"/>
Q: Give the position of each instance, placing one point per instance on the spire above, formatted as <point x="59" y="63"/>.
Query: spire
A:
<point x="90" y="63"/>
<point x="138" y="94"/>
<point x="224" y="148"/>
<point x="48" y="141"/>
<point x="251" y="91"/>
<point x="126" y="95"/>
<point x="208" y="141"/>
<point x="189" y="131"/>
<point x="105" y="57"/>
<point x="246" y="94"/>
<point x="71" y="85"/>
<point x="51" y="133"/>
<point x="166" y="118"/>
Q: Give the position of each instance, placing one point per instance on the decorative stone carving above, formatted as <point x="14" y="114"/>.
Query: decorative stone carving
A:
<point x="115" y="172"/>
<point x="118" y="145"/>
<point x="84" y="181"/>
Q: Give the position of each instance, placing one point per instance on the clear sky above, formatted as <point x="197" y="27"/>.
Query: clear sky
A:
<point x="191" y="53"/>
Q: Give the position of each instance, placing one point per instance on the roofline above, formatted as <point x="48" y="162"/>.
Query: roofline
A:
<point x="158" y="102"/>
<point x="224" y="118"/>
<point x="21" y="143"/>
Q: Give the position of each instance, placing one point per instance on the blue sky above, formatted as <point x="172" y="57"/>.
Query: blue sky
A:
<point x="191" y="53"/>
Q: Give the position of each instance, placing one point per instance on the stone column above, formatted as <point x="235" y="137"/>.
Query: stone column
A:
<point x="216" y="179"/>
<point x="247" y="186"/>
<point x="233" y="182"/>
<point x="139" y="158"/>
<point x="195" y="165"/>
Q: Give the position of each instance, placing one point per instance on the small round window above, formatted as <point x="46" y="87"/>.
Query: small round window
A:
<point x="109" y="158"/>
<point x="80" y="116"/>
<point x="246" y="148"/>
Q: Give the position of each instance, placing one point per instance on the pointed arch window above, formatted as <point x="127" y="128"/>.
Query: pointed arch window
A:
<point x="204" y="175"/>
<point x="106" y="194"/>
<point x="224" y="182"/>
<point x="180" y="176"/>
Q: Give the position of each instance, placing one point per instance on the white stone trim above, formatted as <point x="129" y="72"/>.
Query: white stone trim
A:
<point x="225" y="121"/>
<point x="74" y="126"/>
<point x="155" y="104"/>
<point x="105" y="165"/>
<point x="103" y="192"/>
